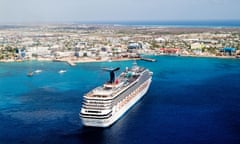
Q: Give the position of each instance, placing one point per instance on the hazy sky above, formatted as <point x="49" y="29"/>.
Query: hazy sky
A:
<point x="117" y="10"/>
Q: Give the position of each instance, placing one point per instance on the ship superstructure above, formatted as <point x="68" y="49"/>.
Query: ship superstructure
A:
<point x="102" y="106"/>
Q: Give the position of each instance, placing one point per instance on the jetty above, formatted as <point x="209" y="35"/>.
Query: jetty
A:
<point x="71" y="63"/>
<point x="148" y="59"/>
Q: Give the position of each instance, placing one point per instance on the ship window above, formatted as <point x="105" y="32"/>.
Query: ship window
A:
<point x="107" y="88"/>
<point x="91" y="111"/>
<point x="103" y="96"/>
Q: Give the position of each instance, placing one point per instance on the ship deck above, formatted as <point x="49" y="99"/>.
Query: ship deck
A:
<point x="109" y="90"/>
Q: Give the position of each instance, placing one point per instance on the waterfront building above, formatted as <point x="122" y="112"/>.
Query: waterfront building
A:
<point x="228" y="51"/>
<point x="197" y="48"/>
<point x="134" y="46"/>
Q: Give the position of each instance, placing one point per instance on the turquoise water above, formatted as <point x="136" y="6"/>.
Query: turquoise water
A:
<point x="191" y="100"/>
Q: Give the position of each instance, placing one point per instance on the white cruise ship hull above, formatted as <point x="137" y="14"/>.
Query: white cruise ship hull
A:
<point x="120" y="109"/>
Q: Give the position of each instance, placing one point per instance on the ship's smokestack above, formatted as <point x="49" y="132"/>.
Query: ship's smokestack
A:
<point x="112" y="74"/>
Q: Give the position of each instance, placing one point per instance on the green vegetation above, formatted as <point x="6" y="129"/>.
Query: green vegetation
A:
<point x="7" y="52"/>
<point x="154" y="44"/>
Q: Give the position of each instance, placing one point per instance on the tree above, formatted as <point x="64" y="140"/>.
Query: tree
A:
<point x="238" y="46"/>
<point x="1" y="57"/>
<point x="154" y="44"/>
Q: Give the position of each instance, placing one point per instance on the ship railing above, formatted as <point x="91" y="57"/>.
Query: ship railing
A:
<point x="95" y="117"/>
<point x="98" y="92"/>
<point x="104" y="94"/>
<point x="96" y="101"/>
<point x="97" y="107"/>
<point x="96" y="104"/>
<point x="95" y="112"/>
<point x="125" y="87"/>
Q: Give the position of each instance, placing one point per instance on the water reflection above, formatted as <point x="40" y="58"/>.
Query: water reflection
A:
<point x="92" y="135"/>
<point x="88" y="135"/>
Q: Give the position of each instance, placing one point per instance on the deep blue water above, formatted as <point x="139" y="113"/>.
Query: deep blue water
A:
<point x="191" y="100"/>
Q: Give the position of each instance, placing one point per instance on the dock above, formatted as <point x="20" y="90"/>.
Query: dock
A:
<point x="71" y="63"/>
<point x="148" y="59"/>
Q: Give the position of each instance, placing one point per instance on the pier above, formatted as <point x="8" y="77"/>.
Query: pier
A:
<point x="71" y="63"/>
<point x="148" y="59"/>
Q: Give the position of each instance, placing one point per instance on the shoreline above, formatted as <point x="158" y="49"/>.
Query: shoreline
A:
<point x="73" y="61"/>
<point x="219" y="57"/>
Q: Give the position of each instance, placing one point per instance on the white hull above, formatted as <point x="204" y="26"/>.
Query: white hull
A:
<point x="117" y="112"/>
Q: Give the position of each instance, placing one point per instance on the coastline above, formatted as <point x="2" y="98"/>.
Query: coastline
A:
<point x="73" y="61"/>
<point x="209" y="56"/>
<point x="185" y="41"/>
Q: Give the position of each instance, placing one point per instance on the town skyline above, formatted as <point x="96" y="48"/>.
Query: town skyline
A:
<point x="34" y="11"/>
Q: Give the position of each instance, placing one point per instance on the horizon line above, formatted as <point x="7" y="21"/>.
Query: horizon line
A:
<point x="145" y="22"/>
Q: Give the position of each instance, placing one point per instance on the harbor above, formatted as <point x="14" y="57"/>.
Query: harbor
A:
<point x="120" y="72"/>
<point x="184" y="91"/>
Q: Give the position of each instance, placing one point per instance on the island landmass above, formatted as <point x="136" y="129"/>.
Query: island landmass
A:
<point x="74" y="43"/>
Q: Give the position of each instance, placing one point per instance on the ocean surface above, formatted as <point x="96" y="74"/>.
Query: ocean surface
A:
<point x="190" y="101"/>
<point x="175" y="24"/>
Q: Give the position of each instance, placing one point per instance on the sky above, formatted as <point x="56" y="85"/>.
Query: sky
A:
<point x="27" y="11"/>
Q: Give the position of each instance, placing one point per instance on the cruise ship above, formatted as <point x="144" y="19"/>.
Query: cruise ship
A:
<point x="104" y="105"/>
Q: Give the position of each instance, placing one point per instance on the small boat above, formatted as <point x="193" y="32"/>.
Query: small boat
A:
<point x="30" y="74"/>
<point x="62" y="71"/>
<point x="38" y="71"/>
